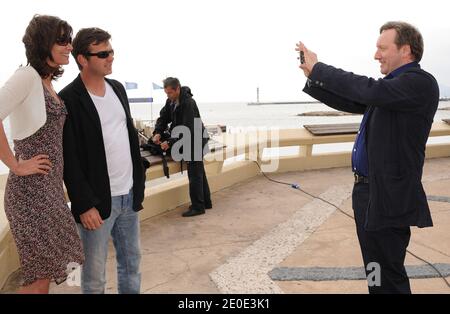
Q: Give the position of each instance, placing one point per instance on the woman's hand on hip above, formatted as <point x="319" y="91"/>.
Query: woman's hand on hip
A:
<point x="39" y="164"/>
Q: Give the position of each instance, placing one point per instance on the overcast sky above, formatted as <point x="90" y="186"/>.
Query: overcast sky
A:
<point x="224" y="49"/>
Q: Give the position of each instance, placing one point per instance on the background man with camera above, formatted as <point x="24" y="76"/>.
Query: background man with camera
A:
<point x="181" y="110"/>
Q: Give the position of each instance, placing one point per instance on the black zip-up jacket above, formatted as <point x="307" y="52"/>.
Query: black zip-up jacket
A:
<point x="183" y="115"/>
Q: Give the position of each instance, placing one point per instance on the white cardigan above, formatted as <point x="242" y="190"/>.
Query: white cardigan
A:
<point x="22" y="98"/>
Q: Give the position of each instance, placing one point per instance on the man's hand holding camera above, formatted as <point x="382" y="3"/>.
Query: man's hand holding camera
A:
<point x="165" y="146"/>
<point x="307" y="57"/>
<point x="157" y="140"/>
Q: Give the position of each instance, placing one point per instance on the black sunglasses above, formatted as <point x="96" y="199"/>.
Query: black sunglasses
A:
<point x="64" y="40"/>
<point x="101" y="54"/>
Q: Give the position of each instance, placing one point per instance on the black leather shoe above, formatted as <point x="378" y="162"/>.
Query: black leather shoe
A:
<point x="193" y="212"/>
<point x="206" y="207"/>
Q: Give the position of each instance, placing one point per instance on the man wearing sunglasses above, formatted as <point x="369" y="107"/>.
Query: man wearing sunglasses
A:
<point x="103" y="171"/>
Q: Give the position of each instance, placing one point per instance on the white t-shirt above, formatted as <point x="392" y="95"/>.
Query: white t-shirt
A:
<point x="117" y="144"/>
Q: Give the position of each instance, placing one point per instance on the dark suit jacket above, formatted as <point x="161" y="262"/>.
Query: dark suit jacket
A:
<point x="85" y="169"/>
<point x="397" y="133"/>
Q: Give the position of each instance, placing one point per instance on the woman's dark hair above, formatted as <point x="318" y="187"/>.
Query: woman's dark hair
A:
<point x="40" y="36"/>
<point x="86" y="37"/>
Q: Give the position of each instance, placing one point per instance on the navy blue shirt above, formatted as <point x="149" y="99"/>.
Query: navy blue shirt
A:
<point x="360" y="161"/>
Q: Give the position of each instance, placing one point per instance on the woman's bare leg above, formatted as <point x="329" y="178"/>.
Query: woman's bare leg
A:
<point x="40" y="286"/>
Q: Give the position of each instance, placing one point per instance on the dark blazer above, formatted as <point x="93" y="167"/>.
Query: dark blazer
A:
<point x="397" y="133"/>
<point x="85" y="169"/>
<point x="183" y="115"/>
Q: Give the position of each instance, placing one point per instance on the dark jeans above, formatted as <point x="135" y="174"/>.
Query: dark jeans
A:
<point x="198" y="185"/>
<point x="387" y="247"/>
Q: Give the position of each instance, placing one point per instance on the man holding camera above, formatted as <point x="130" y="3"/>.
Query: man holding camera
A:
<point x="181" y="112"/>
<point x="389" y="152"/>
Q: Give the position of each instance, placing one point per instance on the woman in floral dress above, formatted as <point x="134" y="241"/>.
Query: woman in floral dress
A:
<point x="40" y="221"/>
